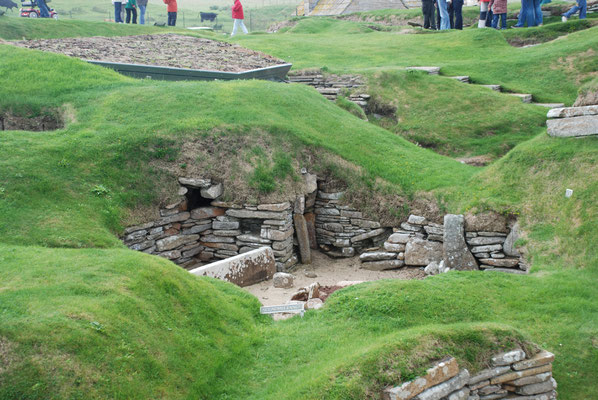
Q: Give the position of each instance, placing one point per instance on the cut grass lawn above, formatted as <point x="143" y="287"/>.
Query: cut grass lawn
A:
<point x="112" y="323"/>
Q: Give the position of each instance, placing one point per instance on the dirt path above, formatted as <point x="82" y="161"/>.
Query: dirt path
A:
<point x="329" y="271"/>
<point x="166" y="50"/>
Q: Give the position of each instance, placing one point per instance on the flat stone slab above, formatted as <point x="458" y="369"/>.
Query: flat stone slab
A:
<point x="567" y="112"/>
<point x="526" y="98"/>
<point x="496" y="88"/>
<point x="550" y="105"/>
<point x="243" y="270"/>
<point x="429" y="70"/>
<point x="439" y="373"/>
<point x="586" y="125"/>
<point x="464" y="78"/>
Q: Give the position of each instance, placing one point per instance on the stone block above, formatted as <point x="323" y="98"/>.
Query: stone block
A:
<point x="462" y="394"/>
<point x="195" y="182"/>
<point x="364" y="223"/>
<point x="396" y="248"/>
<point x="368" y="235"/>
<point x="244" y="269"/>
<point x="399" y="238"/>
<point x="250" y="238"/>
<point x="275" y="234"/>
<point x="486" y="249"/>
<point x="382" y="265"/>
<point x="567" y="112"/>
<point x="377" y="256"/>
<point x="274" y="207"/>
<point x="411" y="228"/>
<point x="173" y="218"/>
<point x="508" y="358"/>
<point x="217" y="239"/>
<point x="171" y="255"/>
<point x="537" y="388"/>
<point x="529" y="380"/>
<point x="500" y="262"/>
<point x="196" y="229"/>
<point x="439" y="373"/>
<point x="223" y="246"/>
<point x="487" y="374"/>
<point x="444" y="389"/>
<point x="419" y="252"/>
<point x="283" y="280"/>
<point x="573" y="127"/>
<point x="212" y="192"/>
<point x="132" y="229"/>
<point x="225" y="232"/>
<point x="327" y="211"/>
<point x="494" y="396"/>
<point x="206" y="212"/>
<point x="416" y="220"/>
<point x="311" y="183"/>
<point x="485" y="240"/>
<point x="456" y="254"/>
<point x="542" y="358"/>
<point x="434" y="230"/>
<point x="172" y="242"/>
<point x="254" y="214"/>
<point x="224" y="225"/>
<point x="348" y="251"/>
<point x="509" y="245"/>
<point x="511" y="376"/>
<point x="299" y="205"/>
<point x="330" y="196"/>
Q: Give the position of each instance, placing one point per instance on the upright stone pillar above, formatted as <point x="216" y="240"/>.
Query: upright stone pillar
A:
<point x="456" y="253"/>
<point x="302" y="238"/>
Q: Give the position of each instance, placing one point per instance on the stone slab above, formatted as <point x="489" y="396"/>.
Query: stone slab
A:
<point x="439" y="373"/>
<point x="444" y="389"/>
<point x="567" y="112"/>
<point x="419" y="252"/>
<point x="542" y="358"/>
<point x="377" y="256"/>
<point x="500" y="262"/>
<point x="487" y="374"/>
<point x="456" y="254"/>
<point x="302" y="238"/>
<point x="537" y="388"/>
<point x="511" y="376"/>
<point x="243" y="270"/>
<point x="529" y="380"/>
<point x="382" y="265"/>
<point x="573" y="127"/>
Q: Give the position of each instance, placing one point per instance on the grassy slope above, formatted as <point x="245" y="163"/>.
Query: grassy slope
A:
<point x="334" y="353"/>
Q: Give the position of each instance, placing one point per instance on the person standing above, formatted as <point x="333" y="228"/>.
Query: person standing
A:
<point x="238" y="18"/>
<point x="172" y="10"/>
<point x="581" y="6"/>
<point x="142" y="5"/>
<point x="43" y="9"/>
<point x="499" y="10"/>
<point x="428" y="11"/>
<point x="456" y="14"/>
<point x="117" y="10"/>
<point x="131" y="9"/>
<point x="483" y="13"/>
<point x="444" y="16"/>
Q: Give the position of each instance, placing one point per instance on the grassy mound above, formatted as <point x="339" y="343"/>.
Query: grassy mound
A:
<point x="111" y="323"/>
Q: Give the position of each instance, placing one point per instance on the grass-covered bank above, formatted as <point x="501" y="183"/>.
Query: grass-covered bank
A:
<point x="111" y="323"/>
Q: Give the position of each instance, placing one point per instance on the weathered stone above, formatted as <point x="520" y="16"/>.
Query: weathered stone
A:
<point x="485" y="222"/>
<point x="224" y="246"/>
<point x="135" y="236"/>
<point x="511" y="376"/>
<point x="333" y="227"/>
<point x="421" y="252"/>
<point x="167" y="212"/>
<point x="253" y="239"/>
<point x="192" y="252"/>
<point x="195" y="182"/>
<point x="552" y="395"/>
<point x="509" y="245"/>
<point x="500" y="262"/>
<point x="489" y="389"/>
<point x="206" y="212"/>
<point x="473" y="396"/>
<point x="495" y="396"/>
<point x="172" y="242"/>
<point x="143" y="245"/>
<point x="537" y="388"/>
<point x="302" y="238"/>
<point x="299" y="205"/>
<point x="416" y="220"/>
<point x="368" y="235"/>
<point x="542" y="358"/>
<point x="244" y="269"/>
<point x="348" y="251"/>
<point x="456" y="254"/>
<point x="182" y="191"/>
<point x="439" y="391"/>
<point x="567" y="112"/>
<point x="311" y="183"/>
<point x="493" y="255"/>
<point x="434" y="230"/>
<point x="364" y="223"/>
<point x="411" y="228"/>
<point x="479" y="385"/>
<point x="436" y="238"/>
<point x="529" y="380"/>
<point x="212" y="192"/>
<point x="508" y="357"/>
<point x="484" y="240"/>
<point x="274" y="234"/>
<point x="382" y="265"/>
<point x="274" y="207"/>
<point x="171" y="255"/>
<point x="399" y="238"/>
<point x="396" y="248"/>
<point x="330" y="196"/>
<point x="488" y="374"/>
<point x="573" y="127"/>
<point x="283" y="280"/>
<point x="439" y="373"/>
<point x="432" y="268"/>
<point x="351" y="214"/>
<point x="173" y="218"/>
<point x="486" y="249"/>
<point x="217" y="239"/>
<point x="225" y="225"/>
<point x="461" y="394"/>
<point x="196" y="229"/>
<point x="507" y="270"/>
<point x="342" y="243"/>
<point x="377" y="256"/>
<point x="256" y="214"/>
<point x="327" y="211"/>
<point x="314" y="304"/>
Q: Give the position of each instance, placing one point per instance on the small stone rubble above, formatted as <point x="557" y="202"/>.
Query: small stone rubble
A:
<point x="512" y="375"/>
<point x="573" y="121"/>
<point x="331" y="86"/>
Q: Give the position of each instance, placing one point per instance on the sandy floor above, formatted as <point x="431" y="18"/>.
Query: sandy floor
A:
<point x="167" y="50"/>
<point x="329" y="271"/>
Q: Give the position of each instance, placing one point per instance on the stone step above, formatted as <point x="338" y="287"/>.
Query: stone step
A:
<point x="429" y="70"/>
<point x="496" y="88"/>
<point x="328" y="91"/>
<point x="526" y="98"/>
<point x="464" y="78"/>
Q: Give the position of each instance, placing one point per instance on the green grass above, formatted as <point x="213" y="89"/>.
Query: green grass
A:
<point x="106" y="322"/>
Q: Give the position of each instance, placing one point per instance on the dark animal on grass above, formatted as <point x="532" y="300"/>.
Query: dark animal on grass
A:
<point x="208" y="16"/>
<point x="9" y="4"/>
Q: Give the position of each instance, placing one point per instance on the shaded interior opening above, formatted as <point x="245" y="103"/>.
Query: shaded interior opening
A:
<point x="250" y="225"/>
<point x="195" y="199"/>
<point x="41" y="123"/>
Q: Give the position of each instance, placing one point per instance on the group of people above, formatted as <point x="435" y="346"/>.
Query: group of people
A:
<point x="130" y="6"/>
<point x="450" y="16"/>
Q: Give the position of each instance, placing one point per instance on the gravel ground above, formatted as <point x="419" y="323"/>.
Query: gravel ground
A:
<point x="166" y="50"/>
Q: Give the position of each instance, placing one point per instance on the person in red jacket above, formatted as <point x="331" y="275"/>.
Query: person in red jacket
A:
<point x="172" y="10"/>
<point x="238" y="18"/>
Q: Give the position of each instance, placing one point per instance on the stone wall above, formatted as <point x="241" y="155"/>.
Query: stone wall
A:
<point x="512" y="375"/>
<point x="573" y="121"/>
<point x="330" y="86"/>
<point x="190" y="236"/>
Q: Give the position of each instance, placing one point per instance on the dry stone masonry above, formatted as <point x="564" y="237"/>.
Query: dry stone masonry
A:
<point x="331" y="86"/>
<point x="573" y="121"/>
<point x="512" y="375"/>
